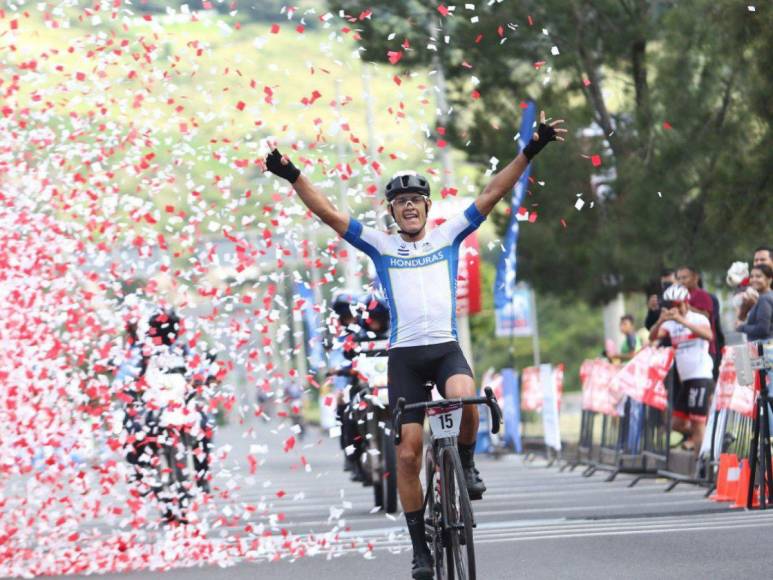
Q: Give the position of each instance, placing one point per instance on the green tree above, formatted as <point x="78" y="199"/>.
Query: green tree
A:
<point x="677" y="93"/>
<point x="570" y="332"/>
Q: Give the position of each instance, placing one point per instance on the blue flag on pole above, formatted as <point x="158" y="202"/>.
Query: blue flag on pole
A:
<point x="504" y="285"/>
<point x="311" y="323"/>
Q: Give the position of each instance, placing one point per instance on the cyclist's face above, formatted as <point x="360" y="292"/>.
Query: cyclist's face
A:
<point x="410" y="211"/>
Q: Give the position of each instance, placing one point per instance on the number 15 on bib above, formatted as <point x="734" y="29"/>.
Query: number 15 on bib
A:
<point x="445" y="421"/>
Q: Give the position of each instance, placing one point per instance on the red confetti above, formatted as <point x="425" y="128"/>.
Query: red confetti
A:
<point x="274" y="29"/>
<point x="394" y="56"/>
<point x="667" y="125"/>
<point x="443" y="9"/>
<point x="240" y="105"/>
<point x="596" y="160"/>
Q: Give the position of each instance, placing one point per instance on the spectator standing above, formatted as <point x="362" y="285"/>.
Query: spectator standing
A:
<point x="667" y="278"/>
<point x="632" y="342"/>
<point x="716" y="328"/>
<point x="701" y="302"/>
<point x="763" y="255"/>
<point x="690" y="334"/>
<point x="759" y="323"/>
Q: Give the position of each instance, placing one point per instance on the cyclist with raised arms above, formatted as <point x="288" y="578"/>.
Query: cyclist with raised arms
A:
<point x="418" y="271"/>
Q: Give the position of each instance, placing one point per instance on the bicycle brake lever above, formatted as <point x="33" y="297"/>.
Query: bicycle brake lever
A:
<point x="496" y="413"/>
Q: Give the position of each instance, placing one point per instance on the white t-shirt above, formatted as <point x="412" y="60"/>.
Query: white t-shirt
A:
<point x="693" y="360"/>
<point x="419" y="278"/>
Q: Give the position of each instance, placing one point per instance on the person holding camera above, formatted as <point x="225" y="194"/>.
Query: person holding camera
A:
<point x="690" y="334"/>
<point x="667" y="278"/>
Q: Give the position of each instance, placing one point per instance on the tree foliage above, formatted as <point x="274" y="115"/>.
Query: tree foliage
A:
<point x="569" y="334"/>
<point x="678" y="93"/>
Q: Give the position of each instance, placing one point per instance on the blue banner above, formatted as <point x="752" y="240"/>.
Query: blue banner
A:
<point x="311" y="325"/>
<point x="515" y="318"/>
<point x="504" y="285"/>
<point x="511" y="409"/>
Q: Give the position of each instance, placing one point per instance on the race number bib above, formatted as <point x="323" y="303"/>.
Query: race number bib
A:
<point x="445" y="421"/>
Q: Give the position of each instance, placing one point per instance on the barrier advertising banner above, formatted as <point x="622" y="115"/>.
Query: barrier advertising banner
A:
<point x="597" y="395"/>
<point x="531" y="390"/>
<point x="729" y="394"/>
<point x="548" y="377"/>
<point x="642" y="377"/>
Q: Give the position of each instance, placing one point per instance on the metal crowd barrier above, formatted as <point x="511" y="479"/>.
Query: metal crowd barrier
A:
<point x="639" y="441"/>
<point x="584" y="455"/>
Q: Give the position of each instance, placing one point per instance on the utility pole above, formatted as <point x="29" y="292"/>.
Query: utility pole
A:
<point x="447" y="176"/>
<point x="535" y="329"/>
<point x="372" y="144"/>
<point x="350" y="264"/>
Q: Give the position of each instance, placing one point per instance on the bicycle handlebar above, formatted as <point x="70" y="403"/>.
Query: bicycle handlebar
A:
<point x="489" y="400"/>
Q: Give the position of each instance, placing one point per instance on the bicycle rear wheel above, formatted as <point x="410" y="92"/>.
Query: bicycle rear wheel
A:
<point x="457" y="512"/>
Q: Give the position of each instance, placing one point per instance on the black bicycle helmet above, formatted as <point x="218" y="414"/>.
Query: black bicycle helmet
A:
<point x="377" y="313"/>
<point x="166" y="325"/>
<point x="342" y="304"/>
<point x="406" y="183"/>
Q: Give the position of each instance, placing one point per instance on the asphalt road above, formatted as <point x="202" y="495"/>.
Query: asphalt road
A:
<point x="534" y="522"/>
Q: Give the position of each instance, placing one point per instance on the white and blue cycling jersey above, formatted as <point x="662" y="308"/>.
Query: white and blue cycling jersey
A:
<point x="419" y="278"/>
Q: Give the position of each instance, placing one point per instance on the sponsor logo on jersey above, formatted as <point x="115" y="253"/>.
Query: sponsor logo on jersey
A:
<point x="416" y="262"/>
<point x="403" y="251"/>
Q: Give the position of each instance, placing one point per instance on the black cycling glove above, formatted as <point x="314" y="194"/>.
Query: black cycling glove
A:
<point x="274" y="164"/>
<point x="546" y="134"/>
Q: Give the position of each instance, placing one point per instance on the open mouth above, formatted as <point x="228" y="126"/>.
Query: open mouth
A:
<point x="410" y="214"/>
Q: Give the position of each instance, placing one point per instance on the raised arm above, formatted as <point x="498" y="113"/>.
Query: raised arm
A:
<point x="312" y="197"/>
<point x="503" y="182"/>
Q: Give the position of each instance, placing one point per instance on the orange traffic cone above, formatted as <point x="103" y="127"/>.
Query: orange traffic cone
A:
<point x="727" y="479"/>
<point x="742" y="492"/>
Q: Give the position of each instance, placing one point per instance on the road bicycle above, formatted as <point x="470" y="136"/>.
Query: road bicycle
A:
<point x="449" y="516"/>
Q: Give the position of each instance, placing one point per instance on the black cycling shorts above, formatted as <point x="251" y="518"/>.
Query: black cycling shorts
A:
<point x="410" y="367"/>
<point x="691" y="400"/>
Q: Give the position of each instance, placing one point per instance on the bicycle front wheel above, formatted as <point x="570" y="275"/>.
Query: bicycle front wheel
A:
<point x="457" y="513"/>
